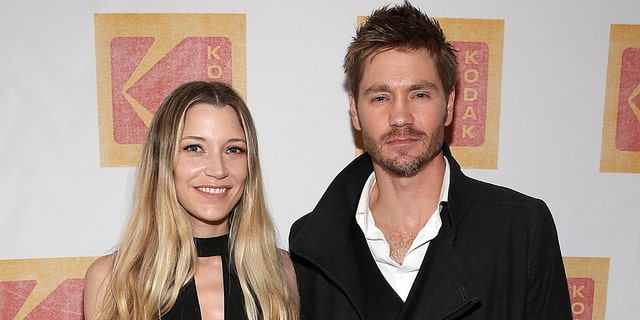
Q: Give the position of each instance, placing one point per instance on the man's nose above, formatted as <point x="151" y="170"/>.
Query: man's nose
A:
<point x="401" y="114"/>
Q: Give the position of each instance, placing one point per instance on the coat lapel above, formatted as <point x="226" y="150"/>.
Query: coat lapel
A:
<point x="326" y="237"/>
<point x="380" y="300"/>
<point x="442" y="288"/>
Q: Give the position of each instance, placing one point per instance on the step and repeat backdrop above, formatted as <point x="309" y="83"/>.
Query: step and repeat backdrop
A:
<point x="548" y="103"/>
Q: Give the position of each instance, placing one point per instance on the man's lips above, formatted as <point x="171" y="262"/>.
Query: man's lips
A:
<point x="401" y="141"/>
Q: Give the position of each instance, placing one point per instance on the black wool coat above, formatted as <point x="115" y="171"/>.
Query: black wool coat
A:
<point x="496" y="257"/>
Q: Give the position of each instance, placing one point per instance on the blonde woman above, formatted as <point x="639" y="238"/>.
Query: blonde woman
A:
<point x="199" y="243"/>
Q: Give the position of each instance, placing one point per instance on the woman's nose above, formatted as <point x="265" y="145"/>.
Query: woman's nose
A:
<point x="215" y="167"/>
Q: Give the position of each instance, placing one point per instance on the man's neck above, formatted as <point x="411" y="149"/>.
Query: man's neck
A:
<point x="406" y="203"/>
<point x="401" y="206"/>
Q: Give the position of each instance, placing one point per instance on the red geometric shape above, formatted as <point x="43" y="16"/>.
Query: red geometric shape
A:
<point x="64" y="303"/>
<point x="13" y="295"/>
<point x="193" y="58"/>
<point x="628" y="122"/>
<point x="126" y="55"/>
<point x="468" y="128"/>
<point x="581" y="292"/>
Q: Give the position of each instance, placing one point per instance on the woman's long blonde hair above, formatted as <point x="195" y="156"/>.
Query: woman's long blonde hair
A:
<point x="157" y="256"/>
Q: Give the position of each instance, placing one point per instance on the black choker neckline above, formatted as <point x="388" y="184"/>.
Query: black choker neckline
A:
<point x="215" y="246"/>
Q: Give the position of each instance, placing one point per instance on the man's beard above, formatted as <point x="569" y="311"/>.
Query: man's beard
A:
<point x="401" y="164"/>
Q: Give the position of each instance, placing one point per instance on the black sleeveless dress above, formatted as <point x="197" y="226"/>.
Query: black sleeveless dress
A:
<point x="187" y="307"/>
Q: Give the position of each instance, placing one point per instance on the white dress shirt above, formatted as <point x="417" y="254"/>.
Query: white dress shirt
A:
<point x="399" y="276"/>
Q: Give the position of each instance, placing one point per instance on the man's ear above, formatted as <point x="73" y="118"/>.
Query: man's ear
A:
<point x="450" y="104"/>
<point x="353" y="110"/>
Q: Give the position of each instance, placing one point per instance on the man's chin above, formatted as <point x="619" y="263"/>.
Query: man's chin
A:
<point x="402" y="166"/>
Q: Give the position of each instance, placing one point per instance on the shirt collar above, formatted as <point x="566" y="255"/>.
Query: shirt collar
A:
<point x="364" y="218"/>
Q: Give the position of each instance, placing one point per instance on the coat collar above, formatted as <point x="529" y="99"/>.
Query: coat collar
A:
<point x="331" y="217"/>
<point x="325" y="238"/>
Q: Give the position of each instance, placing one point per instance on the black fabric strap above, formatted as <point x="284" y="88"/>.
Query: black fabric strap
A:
<point x="187" y="307"/>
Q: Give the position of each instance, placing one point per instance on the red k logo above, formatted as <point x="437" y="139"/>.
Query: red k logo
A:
<point x="621" y="127"/>
<point x="581" y="292"/>
<point x="473" y="134"/>
<point x="39" y="289"/>
<point x="470" y="114"/>
<point x="588" y="279"/>
<point x="628" y="120"/>
<point x="141" y="58"/>
<point x="135" y="99"/>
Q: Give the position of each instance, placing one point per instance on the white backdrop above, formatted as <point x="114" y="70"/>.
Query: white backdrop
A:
<point x="56" y="200"/>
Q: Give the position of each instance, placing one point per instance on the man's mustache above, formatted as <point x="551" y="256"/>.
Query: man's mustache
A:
<point x="404" y="133"/>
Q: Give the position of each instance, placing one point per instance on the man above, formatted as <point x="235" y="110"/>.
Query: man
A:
<point x="402" y="233"/>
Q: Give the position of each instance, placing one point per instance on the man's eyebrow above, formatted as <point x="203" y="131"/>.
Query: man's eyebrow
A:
<point x="377" y="88"/>
<point x="423" y="85"/>
<point x="417" y="86"/>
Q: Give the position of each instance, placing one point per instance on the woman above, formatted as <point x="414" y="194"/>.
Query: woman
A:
<point x="199" y="243"/>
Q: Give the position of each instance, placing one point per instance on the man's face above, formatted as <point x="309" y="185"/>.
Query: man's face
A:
<point x="402" y="110"/>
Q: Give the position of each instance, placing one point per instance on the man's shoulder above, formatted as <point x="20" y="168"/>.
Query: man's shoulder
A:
<point x="344" y="190"/>
<point x="295" y="227"/>
<point x="493" y="194"/>
<point x="336" y="208"/>
<point x="466" y="190"/>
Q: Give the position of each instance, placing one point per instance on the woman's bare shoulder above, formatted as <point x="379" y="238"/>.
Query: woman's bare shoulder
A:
<point x="95" y="284"/>
<point x="100" y="268"/>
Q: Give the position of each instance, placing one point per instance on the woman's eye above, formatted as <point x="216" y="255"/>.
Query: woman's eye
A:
<point x="193" y="148"/>
<point x="235" y="150"/>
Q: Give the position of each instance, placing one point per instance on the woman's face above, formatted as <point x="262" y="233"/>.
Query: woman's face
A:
<point x="212" y="167"/>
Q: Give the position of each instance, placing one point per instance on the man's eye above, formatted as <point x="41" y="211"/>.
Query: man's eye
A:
<point x="378" y="99"/>
<point x="421" y="95"/>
